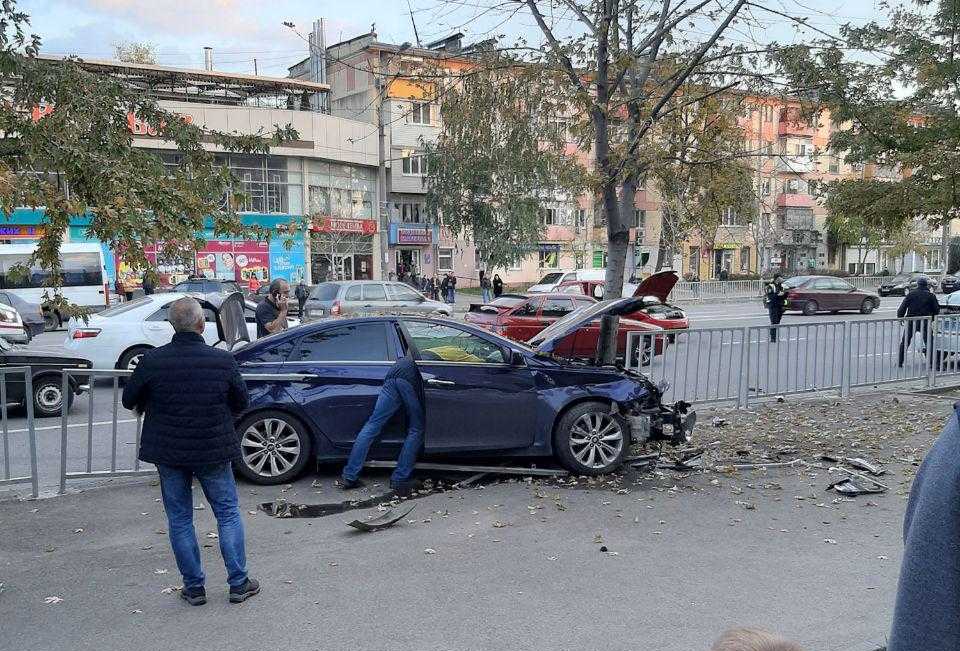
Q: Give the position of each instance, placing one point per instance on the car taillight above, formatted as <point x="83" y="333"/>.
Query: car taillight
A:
<point x="335" y="310"/>
<point x="85" y="333"/>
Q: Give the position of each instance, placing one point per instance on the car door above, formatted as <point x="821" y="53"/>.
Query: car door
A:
<point x="347" y="363"/>
<point x="523" y="322"/>
<point x="476" y="399"/>
<point x="821" y="290"/>
<point x="374" y="299"/>
<point x="846" y="296"/>
<point x="352" y="299"/>
<point x="408" y="300"/>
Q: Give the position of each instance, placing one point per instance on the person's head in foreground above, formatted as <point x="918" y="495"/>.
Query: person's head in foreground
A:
<point x="752" y="639"/>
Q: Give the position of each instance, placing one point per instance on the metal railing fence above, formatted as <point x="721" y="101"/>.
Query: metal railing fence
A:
<point x="728" y="289"/>
<point x="11" y="476"/>
<point x="102" y="457"/>
<point x="737" y="364"/>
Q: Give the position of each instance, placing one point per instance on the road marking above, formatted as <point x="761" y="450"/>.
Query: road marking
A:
<point x="95" y="424"/>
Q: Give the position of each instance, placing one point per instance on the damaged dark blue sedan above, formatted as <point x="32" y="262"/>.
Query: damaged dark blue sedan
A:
<point x="485" y="396"/>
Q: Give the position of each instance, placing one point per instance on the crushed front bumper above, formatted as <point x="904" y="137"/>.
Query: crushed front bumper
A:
<point x="671" y="423"/>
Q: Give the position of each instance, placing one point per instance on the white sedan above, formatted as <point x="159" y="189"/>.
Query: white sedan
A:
<point x="117" y="337"/>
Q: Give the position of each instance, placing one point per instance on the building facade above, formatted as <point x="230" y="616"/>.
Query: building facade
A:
<point x="317" y="193"/>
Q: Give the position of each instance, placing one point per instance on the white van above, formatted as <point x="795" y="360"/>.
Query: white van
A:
<point x="551" y="281"/>
<point x="84" y="276"/>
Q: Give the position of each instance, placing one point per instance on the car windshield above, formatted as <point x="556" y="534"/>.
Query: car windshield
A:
<point x="125" y="307"/>
<point x="551" y="278"/>
<point x="507" y="301"/>
<point x="325" y="292"/>
<point x="900" y="278"/>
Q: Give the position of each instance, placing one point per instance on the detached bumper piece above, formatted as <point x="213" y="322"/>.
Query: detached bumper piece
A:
<point x="671" y="423"/>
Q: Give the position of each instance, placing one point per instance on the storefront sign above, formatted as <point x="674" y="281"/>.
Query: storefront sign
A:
<point x="414" y="236"/>
<point x="21" y="232"/>
<point x="338" y="225"/>
<point x="136" y="126"/>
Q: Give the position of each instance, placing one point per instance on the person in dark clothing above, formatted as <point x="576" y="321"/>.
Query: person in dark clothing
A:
<point x="775" y="298"/>
<point x="919" y="302"/>
<point x="451" y="293"/>
<point x="189" y="394"/>
<point x="271" y="314"/>
<point x="485" y="286"/>
<point x="497" y="285"/>
<point x="445" y="286"/>
<point x="302" y="292"/>
<point x="926" y="616"/>
<point x="402" y="389"/>
<point x="149" y="286"/>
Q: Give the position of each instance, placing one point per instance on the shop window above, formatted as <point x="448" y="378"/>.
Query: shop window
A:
<point x="444" y="259"/>
<point x="420" y="113"/>
<point x="414" y="165"/>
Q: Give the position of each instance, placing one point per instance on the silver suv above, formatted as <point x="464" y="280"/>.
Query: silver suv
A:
<point x="368" y="297"/>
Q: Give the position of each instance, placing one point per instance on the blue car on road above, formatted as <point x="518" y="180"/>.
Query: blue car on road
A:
<point x="485" y="396"/>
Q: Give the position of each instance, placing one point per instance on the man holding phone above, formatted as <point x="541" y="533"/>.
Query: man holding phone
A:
<point x="272" y="311"/>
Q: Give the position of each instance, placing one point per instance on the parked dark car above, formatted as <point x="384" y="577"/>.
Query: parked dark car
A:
<point x="207" y="286"/>
<point x="950" y="283"/>
<point x="900" y="284"/>
<point x="45" y="372"/>
<point x="485" y="396"/>
<point x="812" y="294"/>
<point x="31" y="313"/>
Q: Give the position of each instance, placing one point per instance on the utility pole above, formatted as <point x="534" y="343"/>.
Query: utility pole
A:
<point x="384" y="221"/>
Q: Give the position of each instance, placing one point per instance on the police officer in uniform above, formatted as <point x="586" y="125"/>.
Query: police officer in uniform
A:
<point x="775" y="298"/>
<point x="919" y="302"/>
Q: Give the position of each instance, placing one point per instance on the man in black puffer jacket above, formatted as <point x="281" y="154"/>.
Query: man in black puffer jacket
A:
<point x="189" y="394"/>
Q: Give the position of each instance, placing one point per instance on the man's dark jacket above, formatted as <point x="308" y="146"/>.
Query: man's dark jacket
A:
<point x="927" y="612"/>
<point x="189" y="393"/>
<point x="919" y="302"/>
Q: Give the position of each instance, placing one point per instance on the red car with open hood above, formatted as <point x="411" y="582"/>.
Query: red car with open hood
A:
<point x="653" y="290"/>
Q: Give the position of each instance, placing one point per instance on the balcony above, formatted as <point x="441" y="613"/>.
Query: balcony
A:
<point x="795" y="164"/>
<point x="788" y="200"/>
<point x="796" y="128"/>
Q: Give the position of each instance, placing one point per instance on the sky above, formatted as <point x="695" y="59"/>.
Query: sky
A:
<point x="240" y="31"/>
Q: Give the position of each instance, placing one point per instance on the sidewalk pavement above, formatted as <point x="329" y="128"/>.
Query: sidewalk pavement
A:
<point x="513" y="565"/>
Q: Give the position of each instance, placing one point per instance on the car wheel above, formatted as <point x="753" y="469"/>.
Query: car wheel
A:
<point x="810" y="308"/>
<point x="867" y="306"/>
<point x="48" y="397"/>
<point x="52" y="321"/>
<point x="130" y="359"/>
<point x="590" y="440"/>
<point x="274" y="447"/>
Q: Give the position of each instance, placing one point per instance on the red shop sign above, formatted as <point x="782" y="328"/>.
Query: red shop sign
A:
<point x="337" y="225"/>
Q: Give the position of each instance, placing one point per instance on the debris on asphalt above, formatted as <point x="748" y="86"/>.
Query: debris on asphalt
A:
<point x="863" y="464"/>
<point x="387" y="518"/>
<point x="852" y="488"/>
<point x="53" y="600"/>
<point x="429" y="551"/>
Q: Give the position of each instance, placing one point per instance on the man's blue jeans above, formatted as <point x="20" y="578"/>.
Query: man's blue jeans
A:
<point x="485" y="293"/>
<point x="395" y="395"/>
<point x="220" y="489"/>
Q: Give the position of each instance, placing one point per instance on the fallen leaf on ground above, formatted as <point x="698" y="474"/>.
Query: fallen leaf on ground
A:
<point x="429" y="551"/>
<point x="53" y="600"/>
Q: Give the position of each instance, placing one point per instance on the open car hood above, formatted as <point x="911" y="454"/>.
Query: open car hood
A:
<point x="548" y="338"/>
<point x="231" y="324"/>
<point x="659" y="285"/>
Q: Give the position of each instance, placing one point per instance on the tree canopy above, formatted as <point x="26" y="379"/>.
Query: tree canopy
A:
<point x="66" y="147"/>
<point x="500" y="157"/>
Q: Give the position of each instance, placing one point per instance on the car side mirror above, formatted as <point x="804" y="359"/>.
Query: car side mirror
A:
<point x="517" y="359"/>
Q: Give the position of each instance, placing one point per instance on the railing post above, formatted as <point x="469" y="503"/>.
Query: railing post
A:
<point x="31" y="432"/>
<point x="744" y="388"/>
<point x="65" y="386"/>
<point x="846" y="363"/>
<point x="932" y="355"/>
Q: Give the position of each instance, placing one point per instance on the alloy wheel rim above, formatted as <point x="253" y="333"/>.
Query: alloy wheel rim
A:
<point x="596" y="439"/>
<point x="270" y="447"/>
<point x="49" y="397"/>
